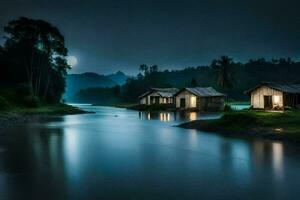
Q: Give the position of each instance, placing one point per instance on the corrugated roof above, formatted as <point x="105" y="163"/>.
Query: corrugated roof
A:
<point x="204" y="92"/>
<point x="163" y="92"/>
<point x="286" y="88"/>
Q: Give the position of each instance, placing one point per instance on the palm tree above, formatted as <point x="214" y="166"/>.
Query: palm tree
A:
<point x="224" y="72"/>
<point x="144" y="69"/>
<point x="153" y="69"/>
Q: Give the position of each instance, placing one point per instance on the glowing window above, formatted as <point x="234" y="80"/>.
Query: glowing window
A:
<point x="165" y="100"/>
<point x="193" y="102"/>
<point x="276" y="99"/>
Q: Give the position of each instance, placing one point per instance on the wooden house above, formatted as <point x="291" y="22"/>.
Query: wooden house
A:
<point x="158" y="96"/>
<point x="200" y="98"/>
<point x="274" y="96"/>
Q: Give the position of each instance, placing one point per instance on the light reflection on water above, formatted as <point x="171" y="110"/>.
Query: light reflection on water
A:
<point x="176" y="116"/>
<point x="277" y="153"/>
<point x="117" y="153"/>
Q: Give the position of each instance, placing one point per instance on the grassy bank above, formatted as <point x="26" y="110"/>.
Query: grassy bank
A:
<point x="19" y="100"/>
<point x="270" y="125"/>
<point x="16" y="115"/>
<point x="53" y="109"/>
<point x="16" y="108"/>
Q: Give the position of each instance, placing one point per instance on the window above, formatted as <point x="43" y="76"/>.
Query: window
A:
<point x="193" y="101"/>
<point x="276" y="99"/>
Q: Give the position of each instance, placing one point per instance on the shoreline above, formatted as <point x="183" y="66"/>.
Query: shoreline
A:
<point x="270" y="129"/>
<point x="24" y="115"/>
<point x="250" y="133"/>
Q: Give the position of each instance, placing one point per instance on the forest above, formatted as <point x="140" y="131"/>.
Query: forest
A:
<point x="224" y="74"/>
<point x="33" y="63"/>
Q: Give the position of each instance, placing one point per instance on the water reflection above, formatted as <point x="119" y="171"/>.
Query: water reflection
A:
<point x="164" y="117"/>
<point x="72" y="147"/>
<point x="110" y="157"/>
<point x="176" y="116"/>
<point x="277" y="153"/>
<point x="192" y="116"/>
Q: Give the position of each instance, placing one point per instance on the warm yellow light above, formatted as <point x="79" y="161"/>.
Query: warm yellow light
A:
<point x="193" y="116"/>
<point x="276" y="99"/>
<point x="164" y="117"/>
<point x="193" y="102"/>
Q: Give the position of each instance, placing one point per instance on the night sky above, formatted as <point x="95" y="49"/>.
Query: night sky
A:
<point x="112" y="35"/>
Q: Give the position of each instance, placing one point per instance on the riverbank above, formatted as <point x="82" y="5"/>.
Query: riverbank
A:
<point x="259" y="124"/>
<point x="17" y="114"/>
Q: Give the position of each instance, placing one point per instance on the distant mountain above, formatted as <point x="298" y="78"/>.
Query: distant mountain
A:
<point x="77" y="82"/>
<point x="118" y="77"/>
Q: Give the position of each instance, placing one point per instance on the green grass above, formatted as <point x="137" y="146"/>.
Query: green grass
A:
<point x="16" y="100"/>
<point x="54" y="109"/>
<point x="278" y="125"/>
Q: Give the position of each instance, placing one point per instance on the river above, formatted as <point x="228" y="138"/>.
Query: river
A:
<point x="122" y="154"/>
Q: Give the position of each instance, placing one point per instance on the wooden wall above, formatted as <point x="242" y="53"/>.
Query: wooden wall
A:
<point x="147" y="99"/>
<point x="257" y="96"/>
<point x="202" y="103"/>
<point x="211" y="103"/>
<point x="184" y="94"/>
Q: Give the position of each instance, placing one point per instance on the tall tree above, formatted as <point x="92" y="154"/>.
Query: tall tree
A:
<point x="144" y="69"/>
<point x="223" y="68"/>
<point x="153" y="69"/>
<point x="44" y="52"/>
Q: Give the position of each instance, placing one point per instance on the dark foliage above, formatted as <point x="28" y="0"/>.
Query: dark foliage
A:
<point x="223" y="74"/>
<point x="34" y="55"/>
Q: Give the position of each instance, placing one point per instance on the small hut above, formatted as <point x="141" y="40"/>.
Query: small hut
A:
<point x="274" y="95"/>
<point x="200" y="98"/>
<point x="158" y="96"/>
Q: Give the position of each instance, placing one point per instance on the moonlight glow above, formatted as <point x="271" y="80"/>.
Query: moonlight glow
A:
<point x="72" y="61"/>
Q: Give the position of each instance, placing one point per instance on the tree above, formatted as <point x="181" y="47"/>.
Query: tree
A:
<point x="40" y="50"/>
<point x="223" y="68"/>
<point x="144" y="69"/>
<point x="153" y="69"/>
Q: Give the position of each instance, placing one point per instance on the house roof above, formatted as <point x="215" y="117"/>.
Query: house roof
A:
<point x="163" y="92"/>
<point x="286" y="88"/>
<point x="203" y="92"/>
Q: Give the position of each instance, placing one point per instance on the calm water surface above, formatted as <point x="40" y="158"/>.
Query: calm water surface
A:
<point x="120" y="154"/>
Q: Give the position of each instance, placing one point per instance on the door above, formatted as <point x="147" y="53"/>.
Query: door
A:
<point x="182" y="102"/>
<point x="268" y="102"/>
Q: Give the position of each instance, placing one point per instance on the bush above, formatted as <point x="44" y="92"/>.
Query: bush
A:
<point x="31" y="101"/>
<point x="4" y="105"/>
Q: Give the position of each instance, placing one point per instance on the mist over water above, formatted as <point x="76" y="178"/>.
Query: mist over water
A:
<point x="117" y="153"/>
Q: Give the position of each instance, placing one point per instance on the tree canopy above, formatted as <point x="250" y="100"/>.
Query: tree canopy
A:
<point x="225" y="75"/>
<point x="34" y="54"/>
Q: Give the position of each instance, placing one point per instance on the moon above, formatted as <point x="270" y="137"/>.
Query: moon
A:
<point x="72" y="61"/>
